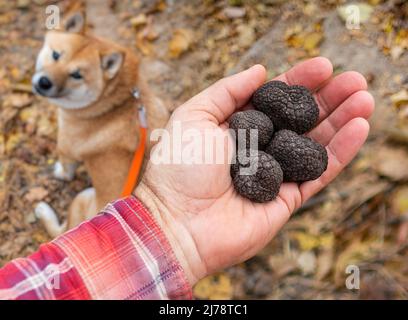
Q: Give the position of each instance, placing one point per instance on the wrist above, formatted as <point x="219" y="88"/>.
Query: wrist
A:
<point x="178" y="235"/>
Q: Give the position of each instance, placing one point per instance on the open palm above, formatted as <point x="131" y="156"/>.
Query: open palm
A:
<point x="213" y="225"/>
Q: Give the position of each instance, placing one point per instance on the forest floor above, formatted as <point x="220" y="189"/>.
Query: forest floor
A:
<point x="361" y="219"/>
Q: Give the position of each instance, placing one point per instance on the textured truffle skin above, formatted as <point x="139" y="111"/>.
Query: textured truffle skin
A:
<point x="300" y="158"/>
<point x="255" y="120"/>
<point x="289" y="107"/>
<point x="264" y="185"/>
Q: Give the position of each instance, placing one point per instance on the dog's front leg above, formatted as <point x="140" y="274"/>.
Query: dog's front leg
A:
<point x="64" y="169"/>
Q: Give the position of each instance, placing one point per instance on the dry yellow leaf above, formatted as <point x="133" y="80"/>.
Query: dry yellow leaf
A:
<point x="247" y="35"/>
<point x="216" y="287"/>
<point x="15" y="73"/>
<point x="306" y="241"/>
<point x="402" y="38"/>
<point x="309" y="242"/>
<point x="293" y="29"/>
<point x="388" y="26"/>
<point x="324" y="263"/>
<point x="40" y="237"/>
<point x="295" y="41"/>
<point x="310" y="8"/>
<point x="312" y="40"/>
<point x="45" y="127"/>
<point x="143" y="44"/>
<point x="180" y="42"/>
<point x="28" y="114"/>
<point x="293" y="36"/>
<point x="36" y="194"/>
<point x="17" y="100"/>
<point x="400" y="98"/>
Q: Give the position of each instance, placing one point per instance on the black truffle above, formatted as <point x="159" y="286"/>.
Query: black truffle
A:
<point x="300" y="158"/>
<point x="262" y="185"/>
<point x="250" y="121"/>
<point x="289" y="107"/>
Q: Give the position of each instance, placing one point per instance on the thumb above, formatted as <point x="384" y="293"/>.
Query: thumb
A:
<point x="228" y="94"/>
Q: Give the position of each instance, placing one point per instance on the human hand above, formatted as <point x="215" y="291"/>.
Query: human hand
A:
<point x="209" y="225"/>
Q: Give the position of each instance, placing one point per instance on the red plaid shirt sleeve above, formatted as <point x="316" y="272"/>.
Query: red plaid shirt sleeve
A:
<point x="120" y="254"/>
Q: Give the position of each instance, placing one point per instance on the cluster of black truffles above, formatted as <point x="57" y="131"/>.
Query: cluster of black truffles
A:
<point x="282" y="114"/>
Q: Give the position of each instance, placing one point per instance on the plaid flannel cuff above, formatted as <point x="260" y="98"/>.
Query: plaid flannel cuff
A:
<point x="123" y="254"/>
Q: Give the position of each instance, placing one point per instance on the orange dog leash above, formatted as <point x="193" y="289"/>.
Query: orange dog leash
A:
<point x="136" y="166"/>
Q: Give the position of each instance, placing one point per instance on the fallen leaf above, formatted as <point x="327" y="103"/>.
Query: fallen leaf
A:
<point x="145" y="36"/>
<point x="282" y="264"/>
<point x="312" y="40"/>
<point x="306" y="241"/>
<point x="234" y="12"/>
<point x="325" y="261"/>
<point x="247" y="35"/>
<point x="40" y="237"/>
<point x="36" y="194"/>
<point x="2" y="152"/>
<point x="143" y="44"/>
<point x="23" y="4"/>
<point x="216" y="287"/>
<point x="180" y="42"/>
<point x="400" y="98"/>
<point x="310" y="9"/>
<point x="309" y="242"/>
<point x="236" y="2"/>
<point x="402" y="233"/>
<point x="307" y="262"/>
<point x="139" y="20"/>
<point x="399" y="200"/>
<point x="292" y="36"/>
<point x="358" y="251"/>
<point x="7" y="115"/>
<point x="17" y="100"/>
<point x="12" y="142"/>
<point x="45" y="127"/>
<point x="297" y="36"/>
<point x="399" y="205"/>
<point x="30" y="218"/>
<point x="391" y="162"/>
<point x="396" y="52"/>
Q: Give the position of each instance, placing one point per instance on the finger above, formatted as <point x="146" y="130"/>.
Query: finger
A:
<point x="359" y="104"/>
<point x="311" y="73"/>
<point x="337" y="90"/>
<point x="221" y="99"/>
<point x="279" y="211"/>
<point x="341" y="150"/>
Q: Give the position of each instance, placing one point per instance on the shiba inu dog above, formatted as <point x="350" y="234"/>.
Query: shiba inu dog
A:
<point x="91" y="81"/>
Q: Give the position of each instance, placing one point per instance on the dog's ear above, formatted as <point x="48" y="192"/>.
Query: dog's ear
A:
<point x="74" y="22"/>
<point x="112" y="62"/>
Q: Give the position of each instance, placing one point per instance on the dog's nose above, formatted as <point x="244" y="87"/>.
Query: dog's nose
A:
<point x="44" y="83"/>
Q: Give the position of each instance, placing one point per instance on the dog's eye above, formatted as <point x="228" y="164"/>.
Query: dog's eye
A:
<point x="76" y="75"/>
<point x="56" y="55"/>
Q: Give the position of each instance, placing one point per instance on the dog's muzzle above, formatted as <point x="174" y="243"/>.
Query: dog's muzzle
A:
<point x="44" y="86"/>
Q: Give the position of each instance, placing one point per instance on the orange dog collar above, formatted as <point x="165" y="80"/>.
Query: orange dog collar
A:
<point x="136" y="166"/>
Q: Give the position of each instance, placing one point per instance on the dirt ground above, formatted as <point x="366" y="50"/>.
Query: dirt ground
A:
<point x="359" y="220"/>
